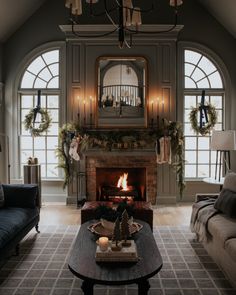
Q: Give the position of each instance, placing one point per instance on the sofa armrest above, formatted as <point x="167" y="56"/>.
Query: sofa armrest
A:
<point x="21" y="195"/>
<point x="200" y="197"/>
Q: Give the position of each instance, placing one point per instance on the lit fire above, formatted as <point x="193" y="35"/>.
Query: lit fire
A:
<point x="122" y="182"/>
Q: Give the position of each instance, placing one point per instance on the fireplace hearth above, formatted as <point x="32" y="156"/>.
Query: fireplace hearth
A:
<point x="104" y="171"/>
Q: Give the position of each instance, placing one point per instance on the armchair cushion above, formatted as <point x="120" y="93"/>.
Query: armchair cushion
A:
<point x="20" y="195"/>
<point x="226" y="203"/>
<point x="230" y="181"/>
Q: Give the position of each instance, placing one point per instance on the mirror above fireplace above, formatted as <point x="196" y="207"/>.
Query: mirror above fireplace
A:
<point x="121" y="92"/>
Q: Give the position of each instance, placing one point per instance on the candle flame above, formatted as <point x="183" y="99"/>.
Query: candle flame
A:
<point x="122" y="182"/>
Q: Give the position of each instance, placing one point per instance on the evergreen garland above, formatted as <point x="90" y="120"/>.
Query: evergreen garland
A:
<point x="44" y="124"/>
<point x="212" y="120"/>
<point x="122" y="140"/>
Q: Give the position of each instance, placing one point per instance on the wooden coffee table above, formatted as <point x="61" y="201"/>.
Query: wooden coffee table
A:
<point x="83" y="265"/>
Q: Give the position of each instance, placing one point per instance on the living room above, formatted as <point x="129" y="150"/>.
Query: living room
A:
<point x="99" y="112"/>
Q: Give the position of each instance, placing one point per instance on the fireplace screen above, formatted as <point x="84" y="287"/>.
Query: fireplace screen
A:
<point x="121" y="183"/>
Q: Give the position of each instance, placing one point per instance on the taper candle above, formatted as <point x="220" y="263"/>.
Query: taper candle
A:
<point x="84" y="112"/>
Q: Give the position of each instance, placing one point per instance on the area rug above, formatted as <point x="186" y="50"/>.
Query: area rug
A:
<point x="42" y="268"/>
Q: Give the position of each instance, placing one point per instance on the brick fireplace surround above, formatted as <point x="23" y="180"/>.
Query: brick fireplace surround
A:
<point x="122" y="160"/>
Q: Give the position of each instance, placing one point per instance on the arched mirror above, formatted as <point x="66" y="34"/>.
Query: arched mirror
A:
<point x="121" y="92"/>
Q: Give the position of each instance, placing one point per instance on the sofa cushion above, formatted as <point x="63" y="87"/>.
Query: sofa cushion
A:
<point x="230" y="181"/>
<point x="13" y="220"/>
<point x="222" y="228"/>
<point x="226" y="202"/>
<point x="20" y="195"/>
<point x="1" y="196"/>
<point x="230" y="247"/>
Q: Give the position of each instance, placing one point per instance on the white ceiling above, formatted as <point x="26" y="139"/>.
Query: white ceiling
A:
<point x="13" y="13"/>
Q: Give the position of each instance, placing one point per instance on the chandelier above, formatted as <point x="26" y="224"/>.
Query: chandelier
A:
<point x="125" y="18"/>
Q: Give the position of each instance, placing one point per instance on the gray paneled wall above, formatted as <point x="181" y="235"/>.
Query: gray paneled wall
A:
<point x="161" y="81"/>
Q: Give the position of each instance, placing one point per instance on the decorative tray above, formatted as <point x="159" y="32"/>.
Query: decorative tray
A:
<point x="126" y="254"/>
<point x="98" y="229"/>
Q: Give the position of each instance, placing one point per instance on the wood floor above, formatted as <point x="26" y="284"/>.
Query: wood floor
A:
<point x="60" y="214"/>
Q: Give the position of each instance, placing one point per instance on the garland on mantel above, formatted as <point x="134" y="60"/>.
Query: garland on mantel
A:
<point x="119" y="139"/>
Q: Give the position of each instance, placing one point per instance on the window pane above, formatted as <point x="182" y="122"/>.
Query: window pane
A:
<point x="190" y="156"/>
<point x="215" y="80"/>
<point x="36" y="65"/>
<point x="54" y="129"/>
<point x="190" y="143"/>
<point x="39" y="83"/>
<point x="52" y="170"/>
<point x="42" y="101"/>
<point x="188" y="69"/>
<point x="191" y="56"/>
<point x="203" y="171"/>
<point x="54" y="115"/>
<point x="39" y="143"/>
<point x="25" y="155"/>
<point x="190" y="101"/>
<point x="53" y="83"/>
<point x="197" y="74"/>
<point x="26" y="142"/>
<point x="27" y="80"/>
<point x="203" y="157"/>
<point x="204" y="83"/>
<point x="51" y="56"/>
<point x="27" y="101"/>
<point x="190" y="171"/>
<point x="203" y="143"/>
<point x="54" y="69"/>
<point x="186" y="115"/>
<point x="206" y="65"/>
<point x="51" y="157"/>
<point x="199" y="98"/>
<point x="41" y="156"/>
<point x="52" y="142"/>
<point x="52" y="101"/>
<point x="188" y="130"/>
<point x="216" y="101"/>
<point x="45" y="74"/>
<point x="189" y="83"/>
<point x="43" y="171"/>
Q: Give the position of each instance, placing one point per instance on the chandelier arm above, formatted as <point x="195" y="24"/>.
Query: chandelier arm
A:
<point x="156" y="32"/>
<point x="92" y="36"/>
<point x="109" y="16"/>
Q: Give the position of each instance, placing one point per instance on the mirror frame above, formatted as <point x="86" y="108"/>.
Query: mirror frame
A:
<point x="121" y="122"/>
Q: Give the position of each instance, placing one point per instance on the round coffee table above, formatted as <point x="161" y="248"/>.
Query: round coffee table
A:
<point x="83" y="265"/>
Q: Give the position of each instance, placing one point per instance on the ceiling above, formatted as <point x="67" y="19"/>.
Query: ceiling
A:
<point x="14" y="13"/>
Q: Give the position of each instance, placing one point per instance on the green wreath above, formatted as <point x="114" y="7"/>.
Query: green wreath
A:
<point x="212" y="119"/>
<point x="44" y="124"/>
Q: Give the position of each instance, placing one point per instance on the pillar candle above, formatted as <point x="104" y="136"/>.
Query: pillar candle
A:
<point x="103" y="243"/>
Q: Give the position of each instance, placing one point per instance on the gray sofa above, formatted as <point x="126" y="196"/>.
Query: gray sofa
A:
<point x="19" y="213"/>
<point x="219" y="239"/>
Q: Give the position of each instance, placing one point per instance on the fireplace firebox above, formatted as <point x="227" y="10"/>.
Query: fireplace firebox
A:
<point x="115" y="184"/>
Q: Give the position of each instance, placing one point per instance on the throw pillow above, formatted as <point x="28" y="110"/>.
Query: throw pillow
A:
<point x="230" y="181"/>
<point x="1" y="196"/>
<point x="20" y="195"/>
<point x="226" y="203"/>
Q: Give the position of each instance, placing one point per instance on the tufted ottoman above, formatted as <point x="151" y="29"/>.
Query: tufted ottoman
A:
<point x="142" y="211"/>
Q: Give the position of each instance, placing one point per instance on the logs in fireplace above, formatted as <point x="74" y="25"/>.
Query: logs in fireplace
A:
<point x="115" y="184"/>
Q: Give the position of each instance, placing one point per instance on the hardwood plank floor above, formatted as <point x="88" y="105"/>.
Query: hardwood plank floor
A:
<point x="60" y="214"/>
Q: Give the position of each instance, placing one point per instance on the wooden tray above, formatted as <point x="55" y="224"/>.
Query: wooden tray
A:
<point x="98" y="229"/>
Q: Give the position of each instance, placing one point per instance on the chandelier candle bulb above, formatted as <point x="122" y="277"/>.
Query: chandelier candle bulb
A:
<point x="103" y="243"/>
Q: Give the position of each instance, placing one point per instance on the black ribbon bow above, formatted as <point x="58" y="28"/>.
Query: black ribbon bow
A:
<point x="203" y="111"/>
<point x="38" y="106"/>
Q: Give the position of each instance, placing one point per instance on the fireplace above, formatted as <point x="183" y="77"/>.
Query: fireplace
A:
<point x="115" y="184"/>
<point x="103" y="172"/>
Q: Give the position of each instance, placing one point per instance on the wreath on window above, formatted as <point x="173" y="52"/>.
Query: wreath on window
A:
<point x="203" y="129"/>
<point x="45" y="121"/>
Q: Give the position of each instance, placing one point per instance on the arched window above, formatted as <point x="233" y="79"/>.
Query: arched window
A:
<point x="42" y="73"/>
<point x="200" y="73"/>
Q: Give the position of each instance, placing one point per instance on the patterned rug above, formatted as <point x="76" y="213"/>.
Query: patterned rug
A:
<point x="42" y="268"/>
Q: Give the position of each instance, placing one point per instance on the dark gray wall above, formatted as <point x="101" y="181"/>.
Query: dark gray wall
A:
<point x="1" y="65"/>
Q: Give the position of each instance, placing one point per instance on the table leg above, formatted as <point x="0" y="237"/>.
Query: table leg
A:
<point x="143" y="287"/>
<point x="87" y="287"/>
